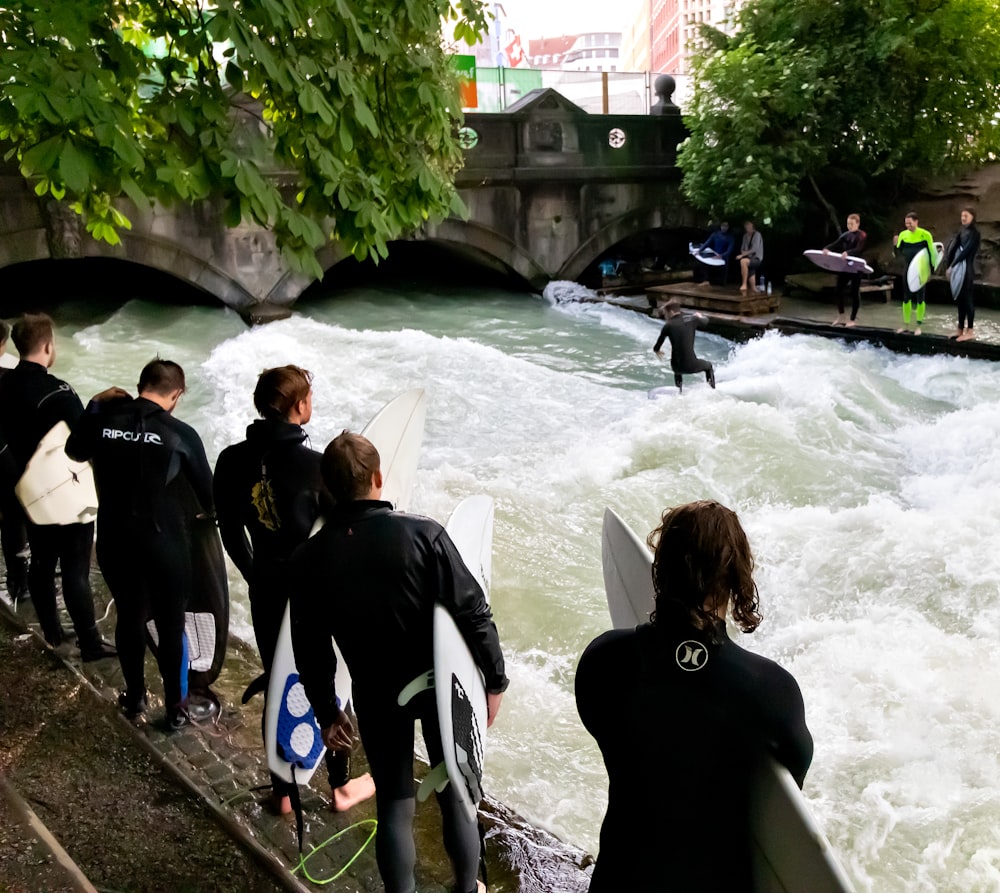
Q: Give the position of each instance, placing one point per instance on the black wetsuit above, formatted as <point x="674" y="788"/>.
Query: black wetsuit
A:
<point x="680" y="330"/>
<point x="152" y="476"/>
<point x="270" y="486"/>
<point x="371" y="578"/>
<point x="853" y="243"/>
<point x="683" y="724"/>
<point x="31" y="402"/>
<point x="13" y="533"/>
<point x="965" y="246"/>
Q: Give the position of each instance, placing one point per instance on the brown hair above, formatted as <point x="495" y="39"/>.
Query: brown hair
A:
<point x="854" y="217"/>
<point x="349" y="461"/>
<point x="31" y="331"/>
<point x="671" y="308"/>
<point x="911" y="215"/>
<point x="970" y="210"/>
<point x="162" y="377"/>
<point x="280" y="389"/>
<point x="703" y="562"/>
<point x="4" y="331"/>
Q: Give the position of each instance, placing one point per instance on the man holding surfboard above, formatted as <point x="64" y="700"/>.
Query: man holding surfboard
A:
<point x="371" y="578"/>
<point x="910" y="244"/>
<point x="32" y="402"/>
<point x="849" y="243"/>
<point x="686" y="718"/>
<point x="961" y="260"/>
<point x="148" y="466"/>
<point x="713" y="253"/>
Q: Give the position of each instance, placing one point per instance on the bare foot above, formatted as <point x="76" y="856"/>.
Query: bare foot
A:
<point x="838" y="320"/>
<point x="968" y="335"/>
<point x="901" y="331"/>
<point x="917" y="331"/>
<point x="850" y="323"/>
<point x="704" y="284"/>
<point x="743" y="289"/>
<point x="281" y="805"/>
<point x="355" y="791"/>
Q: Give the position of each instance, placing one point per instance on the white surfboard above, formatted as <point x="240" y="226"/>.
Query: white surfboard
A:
<point x="292" y="735"/>
<point x="918" y="272"/>
<point x="55" y="489"/>
<point x="792" y="855"/>
<point x="837" y="263"/>
<point x="712" y="259"/>
<point x="459" y="689"/>
<point x="957" y="279"/>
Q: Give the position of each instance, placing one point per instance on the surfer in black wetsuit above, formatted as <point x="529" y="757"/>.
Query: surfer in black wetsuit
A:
<point x="685" y="717"/>
<point x="32" y="401"/>
<point x="371" y="578"/>
<point x="680" y="330"/>
<point x="270" y="487"/>
<point x="152" y="475"/>
<point x="13" y="535"/>
<point x="850" y="242"/>
<point x="964" y="247"/>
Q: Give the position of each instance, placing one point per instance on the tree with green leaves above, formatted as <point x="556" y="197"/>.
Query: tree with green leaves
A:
<point x="318" y="119"/>
<point x="810" y="99"/>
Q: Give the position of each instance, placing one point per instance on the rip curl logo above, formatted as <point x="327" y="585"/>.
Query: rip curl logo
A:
<point x="691" y="655"/>
<point x="135" y="436"/>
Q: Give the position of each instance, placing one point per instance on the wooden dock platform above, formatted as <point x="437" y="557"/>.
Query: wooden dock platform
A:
<point x="713" y="299"/>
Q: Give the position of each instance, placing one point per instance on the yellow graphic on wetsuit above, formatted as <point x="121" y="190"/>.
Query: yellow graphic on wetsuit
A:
<point x="262" y="497"/>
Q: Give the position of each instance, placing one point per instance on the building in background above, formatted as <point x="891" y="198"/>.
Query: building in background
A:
<point x="593" y="51"/>
<point x="674" y="28"/>
<point x="637" y="42"/>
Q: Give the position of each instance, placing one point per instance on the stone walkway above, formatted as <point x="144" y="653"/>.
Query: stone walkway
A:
<point x="222" y="762"/>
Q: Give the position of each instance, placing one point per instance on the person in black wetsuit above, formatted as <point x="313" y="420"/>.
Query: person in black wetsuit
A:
<point x="680" y="330"/>
<point x="685" y="717"/>
<point x="965" y="246"/>
<point x="849" y="242"/>
<point x="13" y="534"/>
<point x="151" y="470"/>
<point x="270" y="487"/>
<point x="371" y="578"/>
<point x="32" y="401"/>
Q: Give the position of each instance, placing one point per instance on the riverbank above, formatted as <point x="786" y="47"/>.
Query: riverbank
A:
<point x="138" y="807"/>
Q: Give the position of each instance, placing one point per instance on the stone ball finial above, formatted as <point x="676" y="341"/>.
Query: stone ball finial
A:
<point x="664" y="86"/>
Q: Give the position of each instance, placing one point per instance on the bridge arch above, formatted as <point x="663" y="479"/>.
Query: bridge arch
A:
<point x="628" y="225"/>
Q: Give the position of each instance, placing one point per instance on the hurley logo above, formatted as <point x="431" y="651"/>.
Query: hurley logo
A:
<point x="691" y="655"/>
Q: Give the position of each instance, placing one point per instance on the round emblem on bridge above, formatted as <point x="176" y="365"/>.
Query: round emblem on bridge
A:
<point x="691" y="655"/>
<point x="616" y="137"/>
<point x="467" y="137"/>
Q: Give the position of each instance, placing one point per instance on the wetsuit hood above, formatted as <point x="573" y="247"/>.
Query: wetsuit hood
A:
<point x="265" y="434"/>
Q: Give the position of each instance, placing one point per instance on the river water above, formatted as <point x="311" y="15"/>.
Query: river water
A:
<point x="867" y="482"/>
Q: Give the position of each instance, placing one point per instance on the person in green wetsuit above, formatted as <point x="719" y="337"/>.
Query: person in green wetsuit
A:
<point x="910" y="242"/>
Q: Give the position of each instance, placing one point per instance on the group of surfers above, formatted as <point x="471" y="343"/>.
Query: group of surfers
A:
<point x="907" y="244"/>
<point x="370" y="578"/>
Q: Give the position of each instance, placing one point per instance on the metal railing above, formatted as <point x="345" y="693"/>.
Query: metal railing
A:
<point x="596" y="92"/>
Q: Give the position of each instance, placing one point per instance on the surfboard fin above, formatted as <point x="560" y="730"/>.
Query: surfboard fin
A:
<point x="423" y="682"/>
<point x="436" y="780"/>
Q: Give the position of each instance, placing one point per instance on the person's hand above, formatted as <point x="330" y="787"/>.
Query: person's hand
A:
<point x="947" y="273"/>
<point x="659" y="353"/>
<point x="826" y="250"/>
<point x="113" y="393"/>
<point x="844" y="255"/>
<point x="339" y="735"/>
<point x="492" y="707"/>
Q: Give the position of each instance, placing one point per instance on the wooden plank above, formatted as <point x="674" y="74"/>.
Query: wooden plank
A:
<point x="715" y="299"/>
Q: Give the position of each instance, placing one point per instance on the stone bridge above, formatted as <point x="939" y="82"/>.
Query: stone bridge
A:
<point x="549" y="189"/>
